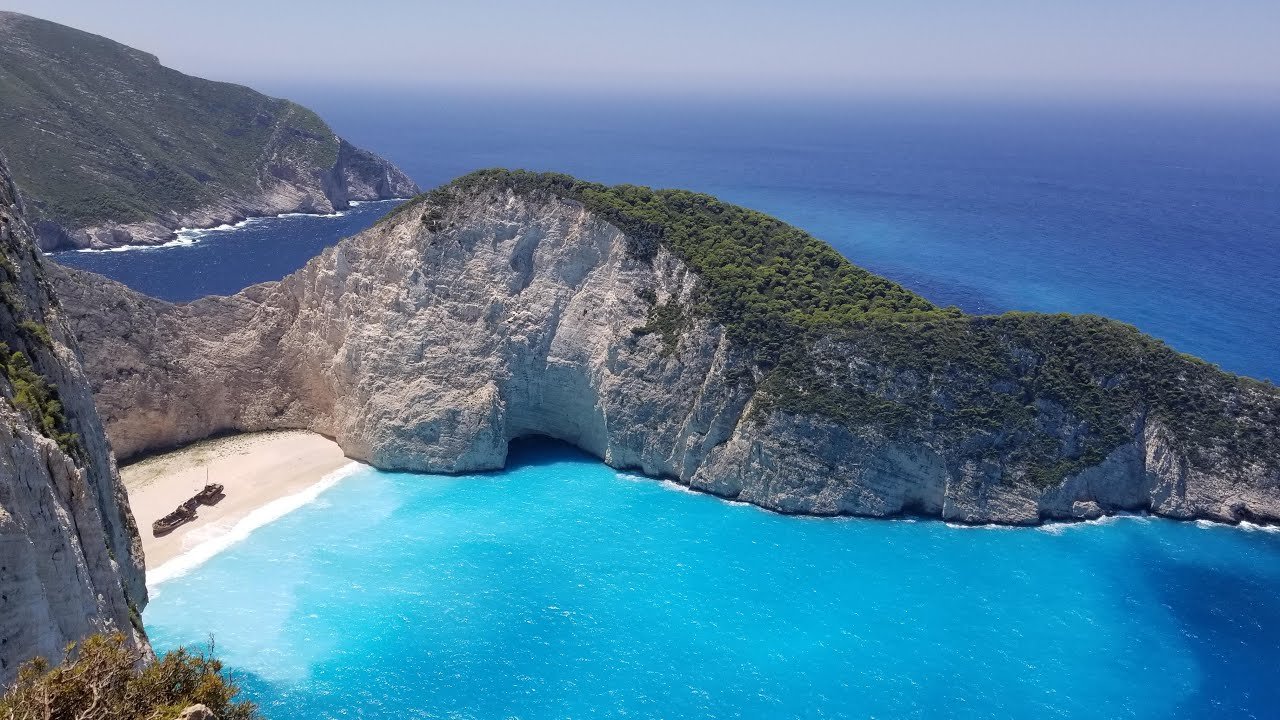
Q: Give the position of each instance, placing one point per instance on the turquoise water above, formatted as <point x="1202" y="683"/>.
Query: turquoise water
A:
<point x="563" y="589"/>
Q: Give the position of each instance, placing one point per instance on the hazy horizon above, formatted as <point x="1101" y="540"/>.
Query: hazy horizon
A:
<point x="1132" y="50"/>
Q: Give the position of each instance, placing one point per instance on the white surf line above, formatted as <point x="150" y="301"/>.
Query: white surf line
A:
<point x="1057" y="527"/>
<point x="1052" y="527"/>
<point x="258" y="517"/>
<point x="1244" y="525"/>
<point x="185" y="236"/>
<point x="190" y="236"/>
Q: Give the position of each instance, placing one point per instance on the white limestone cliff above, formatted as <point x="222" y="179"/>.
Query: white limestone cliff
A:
<point x="70" y="557"/>
<point x="429" y="346"/>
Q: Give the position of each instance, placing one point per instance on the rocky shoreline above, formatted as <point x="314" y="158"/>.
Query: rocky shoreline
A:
<point x="346" y="185"/>
<point x="460" y="323"/>
<point x="176" y="239"/>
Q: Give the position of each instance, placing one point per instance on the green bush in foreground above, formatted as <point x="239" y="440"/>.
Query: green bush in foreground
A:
<point x="103" y="679"/>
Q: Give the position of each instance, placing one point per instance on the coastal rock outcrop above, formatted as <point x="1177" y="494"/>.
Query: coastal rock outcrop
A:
<point x="110" y="148"/>
<point x="70" y="555"/>
<point x="197" y="712"/>
<point x="688" y="339"/>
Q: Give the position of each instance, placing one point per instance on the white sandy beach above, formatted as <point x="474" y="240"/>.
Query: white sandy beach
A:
<point x="255" y="469"/>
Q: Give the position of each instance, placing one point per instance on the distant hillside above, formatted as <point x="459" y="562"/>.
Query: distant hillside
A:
<point x="109" y="147"/>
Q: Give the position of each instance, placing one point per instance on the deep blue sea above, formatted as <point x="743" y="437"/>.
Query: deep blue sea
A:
<point x="563" y="589"/>
<point x="1168" y="218"/>
<point x="223" y="261"/>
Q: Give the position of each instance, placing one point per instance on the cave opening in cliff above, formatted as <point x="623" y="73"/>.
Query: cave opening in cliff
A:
<point x="533" y="450"/>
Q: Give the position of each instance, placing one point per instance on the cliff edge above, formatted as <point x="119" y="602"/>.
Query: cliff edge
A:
<point x="70" y="557"/>
<point x="690" y="339"/>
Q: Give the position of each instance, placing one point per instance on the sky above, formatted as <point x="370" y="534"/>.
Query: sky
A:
<point x="1190" y="50"/>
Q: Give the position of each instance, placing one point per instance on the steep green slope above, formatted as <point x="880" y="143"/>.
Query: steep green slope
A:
<point x="833" y="339"/>
<point x="97" y="133"/>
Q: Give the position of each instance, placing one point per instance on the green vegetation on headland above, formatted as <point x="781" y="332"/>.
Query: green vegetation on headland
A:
<point x="1045" y="394"/>
<point x="96" y="131"/>
<point x="102" y="677"/>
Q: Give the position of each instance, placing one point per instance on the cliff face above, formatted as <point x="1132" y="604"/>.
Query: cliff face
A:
<point x="111" y="148"/>
<point x="481" y="315"/>
<point x="70" y="556"/>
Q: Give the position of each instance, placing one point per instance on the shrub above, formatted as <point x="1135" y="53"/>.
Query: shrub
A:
<point x="33" y="394"/>
<point x="37" y="331"/>
<point x="670" y="321"/>
<point x="103" y="678"/>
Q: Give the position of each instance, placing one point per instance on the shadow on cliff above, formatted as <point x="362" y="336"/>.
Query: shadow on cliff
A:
<point x="1230" y="622"/>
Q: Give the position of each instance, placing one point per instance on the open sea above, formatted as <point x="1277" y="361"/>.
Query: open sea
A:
<point x="1166" y="218"/>
<point x="560" y="588"/>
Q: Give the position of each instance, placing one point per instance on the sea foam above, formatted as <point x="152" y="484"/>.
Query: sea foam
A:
<point x="190" y="236"/>
<point x="216" y="541"/>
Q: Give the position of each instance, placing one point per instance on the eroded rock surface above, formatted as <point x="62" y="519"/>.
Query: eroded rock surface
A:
<point x="433" y="339"/>
<point x="70" y="556"/>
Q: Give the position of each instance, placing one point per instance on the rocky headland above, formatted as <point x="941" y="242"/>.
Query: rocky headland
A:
<point x="670" y="333"/>
<point x="110" y="148"/>
<point x="70" y="557"/>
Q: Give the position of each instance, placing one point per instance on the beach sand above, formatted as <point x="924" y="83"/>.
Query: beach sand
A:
<point x="255" y="468"/>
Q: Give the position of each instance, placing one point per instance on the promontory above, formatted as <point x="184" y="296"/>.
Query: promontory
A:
<point x="108" y="147"/>
<point x="671" y="333"/>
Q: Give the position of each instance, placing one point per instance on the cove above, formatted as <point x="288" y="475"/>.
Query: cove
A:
<point x="223" y="261"/>
<point x="563" y="588"/>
